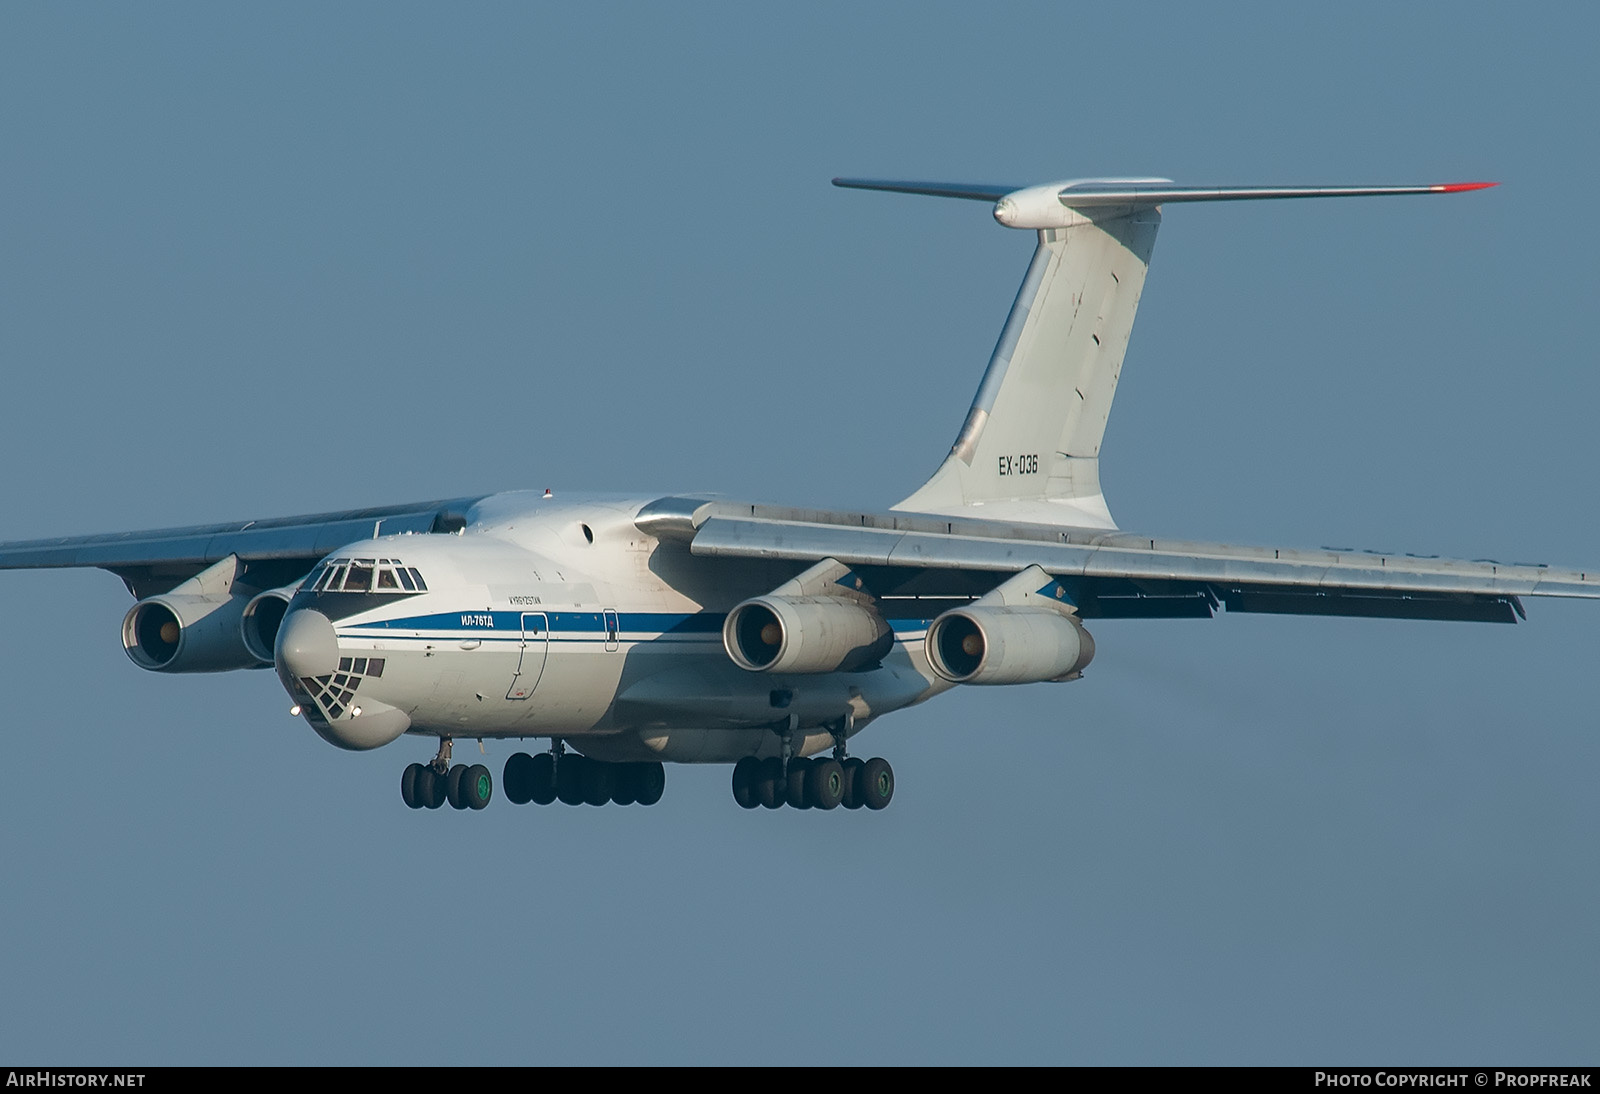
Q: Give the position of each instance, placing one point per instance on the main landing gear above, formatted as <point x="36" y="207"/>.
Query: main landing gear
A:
<point x="430" y="785"/>
<point x="578" y="780"/>
<point x="817" y="783"/>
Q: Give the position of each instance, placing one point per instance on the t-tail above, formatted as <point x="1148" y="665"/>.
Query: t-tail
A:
<point x="1029" y="449"/>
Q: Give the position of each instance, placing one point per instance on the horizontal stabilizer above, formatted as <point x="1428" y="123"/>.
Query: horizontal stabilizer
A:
<point x="1092" y="192"/>
<point x="1056" y="204"/>
<point x="972" y="191"/>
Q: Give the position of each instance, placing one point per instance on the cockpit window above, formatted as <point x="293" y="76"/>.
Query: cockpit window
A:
<point x="365" y="575"/>
<point x="359" y="579"/>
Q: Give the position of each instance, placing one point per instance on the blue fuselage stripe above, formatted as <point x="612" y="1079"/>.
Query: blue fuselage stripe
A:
<point x="569" y="625"/>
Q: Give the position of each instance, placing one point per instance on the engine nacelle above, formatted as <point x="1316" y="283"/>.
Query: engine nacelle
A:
<point x="182" y="633"/>
<point x="805" y="634"/>
<point x="262" y="617"/>
<point x="984" y="644"/>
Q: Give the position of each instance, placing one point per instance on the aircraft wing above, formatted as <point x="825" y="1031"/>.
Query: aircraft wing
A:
<point x="910" y="556"/>
<point x="274" y="552"/>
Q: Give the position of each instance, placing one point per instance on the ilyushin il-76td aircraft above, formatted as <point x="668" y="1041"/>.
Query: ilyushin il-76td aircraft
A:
<point x="695" y="629"/>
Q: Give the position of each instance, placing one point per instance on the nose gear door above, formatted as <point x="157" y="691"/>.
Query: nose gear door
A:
<point x="530" y="655"/>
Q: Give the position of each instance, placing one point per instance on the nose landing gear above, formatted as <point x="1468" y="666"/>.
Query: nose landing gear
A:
<point x="430" y="785"/>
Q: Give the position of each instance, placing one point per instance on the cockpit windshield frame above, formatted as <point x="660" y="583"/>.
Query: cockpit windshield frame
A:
<point x="382" y="576"/>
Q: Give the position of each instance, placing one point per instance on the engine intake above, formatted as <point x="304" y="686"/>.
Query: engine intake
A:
<point x="261" y="619"/>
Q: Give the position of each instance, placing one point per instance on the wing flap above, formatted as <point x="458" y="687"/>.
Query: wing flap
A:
<point x="1281" y="600"/>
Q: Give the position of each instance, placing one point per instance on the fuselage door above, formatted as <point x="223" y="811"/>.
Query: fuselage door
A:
<point x="530" y="655"/>
<point x="611" y="630"/>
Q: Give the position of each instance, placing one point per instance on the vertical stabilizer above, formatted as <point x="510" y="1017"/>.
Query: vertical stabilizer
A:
<point x="1030" y="447"/>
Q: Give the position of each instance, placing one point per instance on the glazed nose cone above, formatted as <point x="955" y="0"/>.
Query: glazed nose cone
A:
<point x="307" y="644"/>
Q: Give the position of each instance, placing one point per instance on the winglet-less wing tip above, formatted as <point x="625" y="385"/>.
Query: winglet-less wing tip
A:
<point x="1459" y="187"/>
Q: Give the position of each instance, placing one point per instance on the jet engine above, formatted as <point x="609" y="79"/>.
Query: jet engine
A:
<point x="263" y="615"/>
<point x="822" y="621"/>
<point x="985" y="644"/>
<point x="187" y="634"/>
<point x="193" y="628"/>
<point x="1022" y="632"/>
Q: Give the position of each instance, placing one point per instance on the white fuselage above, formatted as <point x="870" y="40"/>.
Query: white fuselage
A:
<point x="547" y="618"/>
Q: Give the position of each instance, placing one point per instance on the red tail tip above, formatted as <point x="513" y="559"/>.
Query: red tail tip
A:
<point x="1458" y="187"/>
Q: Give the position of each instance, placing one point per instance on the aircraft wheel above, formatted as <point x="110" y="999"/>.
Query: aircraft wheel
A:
<point x="796" y="790"/>
<point x="452" y="786"/>
<point x="746" y="774"/>
<point x="408" y="786"/>
<point x="825" y="784"/>
<point x="596" y="781"/>
<point x="771" y="789"/>
<point x="429" y="788"/>
<point x="477" y="787"/>
<point x="542" y="779"/>
<point x="517" y="779"/>
<point x="876" y="783"/>
<point x="854" y="796"/>
<point x="625" y="781"/>
<point x="569" y="778"/>
<point x="652" y="782"/>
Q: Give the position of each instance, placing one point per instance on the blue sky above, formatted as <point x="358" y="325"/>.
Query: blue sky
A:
<point x="272" y="260"/>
